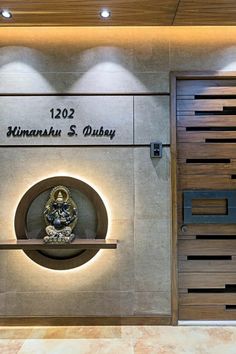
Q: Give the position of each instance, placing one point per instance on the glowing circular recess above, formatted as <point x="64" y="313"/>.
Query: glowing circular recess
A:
<point x="23" y="219"/>
<point x="6" y="14"/>
<point x="105" y="13"/>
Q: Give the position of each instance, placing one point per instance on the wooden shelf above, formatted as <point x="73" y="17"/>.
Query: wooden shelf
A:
<point x="38" y="244"/>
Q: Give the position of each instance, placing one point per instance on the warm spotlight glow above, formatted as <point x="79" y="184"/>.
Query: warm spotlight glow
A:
<point x="6" y="14"/>
<point x="105" y="13"/>
<point x="93" y="262"/>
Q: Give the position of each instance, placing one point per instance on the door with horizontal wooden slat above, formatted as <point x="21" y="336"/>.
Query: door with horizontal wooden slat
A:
<point x="206" y="161"/>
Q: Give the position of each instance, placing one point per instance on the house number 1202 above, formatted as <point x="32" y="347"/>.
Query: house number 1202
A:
<point x="66" y="113"/>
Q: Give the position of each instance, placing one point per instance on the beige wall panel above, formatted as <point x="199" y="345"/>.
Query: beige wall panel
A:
<point x="109" y="117"/>
<point x="111" y="270"/>
<point x="151" y="49"/>
<point x="116" y="50"/>
<point x="3" y="272"/>
<point x="105" y="169"/>
<point x="3" y="309"/>
<point x="152" y="121"/>
<point x="82" y="49"/>
<point x="152" y="255"/>
<point x="159" y="304"/>
<point x="85" y="59"/>
<point x="66" y="303"/>
<point x="152" y="185"/>
<point x="89" y="82"/>
<point x="152" y="226"/>
<point x="66" y="49"/>
<point x="202" y="48"/>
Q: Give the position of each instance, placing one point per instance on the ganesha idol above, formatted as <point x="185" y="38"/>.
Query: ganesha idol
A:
<point x="60" y="215"/>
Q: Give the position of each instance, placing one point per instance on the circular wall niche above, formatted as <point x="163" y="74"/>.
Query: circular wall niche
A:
<point x="92" y="221"/>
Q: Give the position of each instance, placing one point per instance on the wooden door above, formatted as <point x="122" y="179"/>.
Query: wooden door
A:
<point x="206" y="162"/>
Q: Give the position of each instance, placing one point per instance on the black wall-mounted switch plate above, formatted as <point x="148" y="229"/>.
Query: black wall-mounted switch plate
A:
<point x="156" y="149"/>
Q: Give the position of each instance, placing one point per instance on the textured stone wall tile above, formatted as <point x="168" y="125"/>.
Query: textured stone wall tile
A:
<point x="154" y="303"/>
<point x="152" y="119"/>
<point x="152" y="185"/>
<point x="2" y="304"/>
<point x="152" y="255"/>
<point x="151" y="49"/>
<point x="152" y="221"/>
<point x="66" y="49"/>
<point x="67" y="303"/>
<point x="96" y="81"/>
<point x="211" y="48"/>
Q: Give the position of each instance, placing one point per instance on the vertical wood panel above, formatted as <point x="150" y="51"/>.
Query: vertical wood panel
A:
<point x="174" y="268"/>
<point x="206" y="155"/>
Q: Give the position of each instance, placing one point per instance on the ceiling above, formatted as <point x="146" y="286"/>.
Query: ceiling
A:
<point x="124" y="12"/>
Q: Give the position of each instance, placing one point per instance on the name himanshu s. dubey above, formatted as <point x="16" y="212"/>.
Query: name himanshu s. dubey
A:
<point x="88" y="131"/>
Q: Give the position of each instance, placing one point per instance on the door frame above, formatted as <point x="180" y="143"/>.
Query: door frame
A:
<point x="174" y="76"/>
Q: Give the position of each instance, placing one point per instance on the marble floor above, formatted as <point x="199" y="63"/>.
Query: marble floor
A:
<point x="118" y="340"/>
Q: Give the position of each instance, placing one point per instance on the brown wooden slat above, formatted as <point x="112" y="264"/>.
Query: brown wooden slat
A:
<point x="207" y="299"/>
<point x="208" y="91"/>
<point x="201" y="12"/>
<point x="209" y="211"/>
<point x="186" y="237"/>
<point x="200" y="150"/>
<point x="204" y="229"/>
<point x="189" y="113"/>
<point x="207" y="247"/>
<point x="206" y="280"/>
<point x="86" y="5"/>
<point x="186" y="120"/>
<point x="174" y="257"/>
<point x="86" y="13"/>
<point x="206" y="169"/>
<point x="212" y="266"/>
<point x="206" y="236"/>
<point x="205" y="105"/>
<point x="179" y="205"/>
<point x="204" y="87"/>
<point x="132" y="12"/>
<point x="204" y="182"/>
<point x="157" y="320"/>
<point x="207" y="312"/>
<point x="207" y="203"/>
<point x="185" y="97"/>
<point x="200" y="137"/>
<point x="38" y="244"/>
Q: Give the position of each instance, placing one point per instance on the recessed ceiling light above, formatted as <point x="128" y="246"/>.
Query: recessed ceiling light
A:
<point x="105" y="13"/>
<point x="6" y="14"/>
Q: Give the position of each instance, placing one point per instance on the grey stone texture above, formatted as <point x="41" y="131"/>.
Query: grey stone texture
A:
<point x="65" y="303"/>
<point x="151" y="119"/>
<point x="154" y="303"/>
